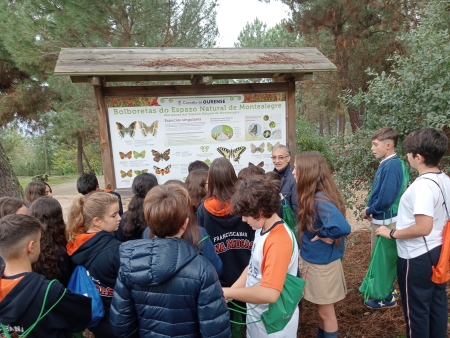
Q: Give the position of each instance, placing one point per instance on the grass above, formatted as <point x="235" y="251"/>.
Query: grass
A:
<point x="52" y="180"/>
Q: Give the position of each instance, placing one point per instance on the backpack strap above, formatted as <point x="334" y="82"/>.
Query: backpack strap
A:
<point x="41" y="315"/>
<point x="448" y="217"/>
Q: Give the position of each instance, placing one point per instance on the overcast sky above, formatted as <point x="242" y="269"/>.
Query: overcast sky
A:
<point x="232" y="15"/>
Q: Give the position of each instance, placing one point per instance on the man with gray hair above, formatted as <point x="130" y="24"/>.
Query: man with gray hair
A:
<point x="280" y="159"/>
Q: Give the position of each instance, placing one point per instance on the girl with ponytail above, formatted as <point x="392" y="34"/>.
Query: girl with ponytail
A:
<point x="93" y="220"/>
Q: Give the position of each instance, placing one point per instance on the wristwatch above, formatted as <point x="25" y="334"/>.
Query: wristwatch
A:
<point x="392" y="234"/>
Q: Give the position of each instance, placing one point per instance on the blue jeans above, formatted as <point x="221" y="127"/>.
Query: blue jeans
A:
<point x="424" y="302"/>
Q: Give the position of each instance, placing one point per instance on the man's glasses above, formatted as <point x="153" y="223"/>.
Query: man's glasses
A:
<point x="278" y="157"/>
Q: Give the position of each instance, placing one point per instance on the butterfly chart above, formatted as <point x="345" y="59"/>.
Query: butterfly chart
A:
<point x="163" y="135"/>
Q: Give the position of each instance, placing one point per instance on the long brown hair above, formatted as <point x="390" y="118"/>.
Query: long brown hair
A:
<point x="33" y="191"/>
<point x="85" y="209"/>
<point x="313" y="176"/>
<point x="222" y="180"/>
<point x="48" y="211"/>
<point x="196" y="186"/>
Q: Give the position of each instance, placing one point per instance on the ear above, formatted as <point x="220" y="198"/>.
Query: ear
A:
<point x="420" y="158"/>
<point x="30" y="246"/>
<point x="184" y="226"/>
<point x="97" y="221"/>
<point x="97" y="188"/>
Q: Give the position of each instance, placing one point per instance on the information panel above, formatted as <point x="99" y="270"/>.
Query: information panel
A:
<point x="163" y="135"/>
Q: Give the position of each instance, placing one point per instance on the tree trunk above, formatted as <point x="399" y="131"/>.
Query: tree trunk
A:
<point x="87" y="163"/>
<point x="80" y="155"/>
<point x="9" y="184"/>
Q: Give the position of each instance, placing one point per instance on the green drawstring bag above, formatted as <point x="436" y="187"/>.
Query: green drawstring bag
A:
<point x="380" y="276"/>
<point x="289" y="218"/>
<point x="280" y="313"/>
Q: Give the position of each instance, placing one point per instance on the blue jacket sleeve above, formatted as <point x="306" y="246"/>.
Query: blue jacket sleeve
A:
<point x="123" y="316"/>
<point x="206" y="247"/>
<point x="390" y="185"/>
<point x="334" y="224"/>
<point x="213" y="315"/>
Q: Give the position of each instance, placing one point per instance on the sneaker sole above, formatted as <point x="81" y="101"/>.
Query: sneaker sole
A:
<point x="381" y="308"/>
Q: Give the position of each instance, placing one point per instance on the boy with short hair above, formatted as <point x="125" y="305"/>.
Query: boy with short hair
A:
<point x="23" y="293"/>
<point x="164" y="287"/>
<point x="422" y="216"/>
<point x="87" y="183"/>
<point x="386" y="191"/>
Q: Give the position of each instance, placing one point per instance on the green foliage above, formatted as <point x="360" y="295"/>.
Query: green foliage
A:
<point x="308" y="140"/>
<point x="355" y="167"/>
<point x="65" y="159"/>
<point x="417" y="93"/>
<point x="256" y="34"/>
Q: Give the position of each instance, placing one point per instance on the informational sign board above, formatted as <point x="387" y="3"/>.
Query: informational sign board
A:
<point x="163" y="135"/>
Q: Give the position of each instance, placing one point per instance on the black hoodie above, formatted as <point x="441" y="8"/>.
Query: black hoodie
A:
<point x="99" y="254"/>
<point x="232" y="238"/>
<point x="21" y="307"/>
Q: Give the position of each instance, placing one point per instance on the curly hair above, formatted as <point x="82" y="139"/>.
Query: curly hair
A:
<point x="196" y="186"/>
<point x="134" y="222"/>
<point x="257" y="197"/>
<point x="48" y="211"/>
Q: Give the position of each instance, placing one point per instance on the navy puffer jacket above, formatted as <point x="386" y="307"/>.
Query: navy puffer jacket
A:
<point x="166" y="289"/>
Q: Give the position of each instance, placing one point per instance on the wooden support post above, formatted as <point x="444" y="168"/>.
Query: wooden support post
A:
<point x="291" y="121"/>
<point x="105" y="142"/>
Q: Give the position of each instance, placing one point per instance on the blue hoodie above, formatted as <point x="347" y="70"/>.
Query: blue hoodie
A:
<point x="166" y="289"/>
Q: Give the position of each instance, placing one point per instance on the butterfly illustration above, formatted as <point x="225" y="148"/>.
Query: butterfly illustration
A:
<point x="204" y="148"/>
<point x="254" y="130"/>
<point x="139" y="154"/>
<point x="231" y="153"/>
<point x="158" y="156"/>
<point x="129" y="173"/>
<point x="270" y="146"/>
<point x="255" y="149"/>
<point x="127" y="155"/>
<point x="164" y="171"/>
<point x="152" y="130"/>
<point x="130" y="130"/>
<point x="260" y="164"/>
<point x="143" y="171"/>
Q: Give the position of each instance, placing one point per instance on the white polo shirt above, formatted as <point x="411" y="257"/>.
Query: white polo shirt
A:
<point x="423" y="197"/>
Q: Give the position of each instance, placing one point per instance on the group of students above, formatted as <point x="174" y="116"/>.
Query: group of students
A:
<point x="415" y="217"/>
<point x="188" y="257"/>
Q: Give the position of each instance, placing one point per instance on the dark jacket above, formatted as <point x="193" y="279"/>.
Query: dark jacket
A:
<point x="100" y="256"/>
<point x="22" y="305"/>
<point x="166" y="289"/>
<point x="232" y="238"/>
<point x="65" y="264"/>
<point x="205" y="248"/>
<point x="289" y="187"/>
<point x="386" y="188"/>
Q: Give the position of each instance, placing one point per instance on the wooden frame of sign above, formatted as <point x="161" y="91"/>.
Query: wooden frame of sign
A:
<point x="99" y="66"/>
